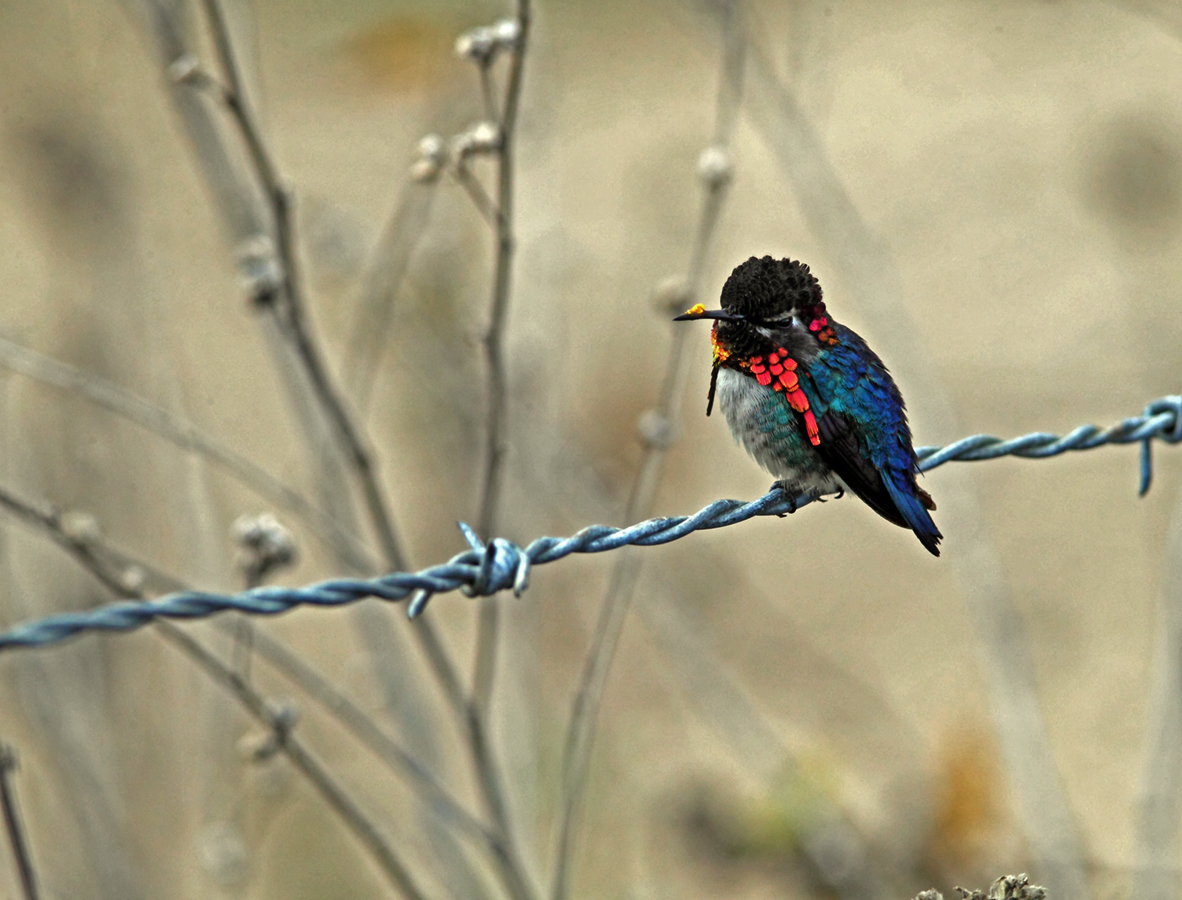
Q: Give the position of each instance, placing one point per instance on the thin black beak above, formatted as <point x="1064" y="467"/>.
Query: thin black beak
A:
<point x="699" y="313"/>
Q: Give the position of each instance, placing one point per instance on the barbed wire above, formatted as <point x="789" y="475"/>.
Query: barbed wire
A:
<point x="487" y="568"/>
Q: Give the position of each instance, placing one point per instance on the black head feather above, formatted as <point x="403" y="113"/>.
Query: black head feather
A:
<point x="765" y="288"/>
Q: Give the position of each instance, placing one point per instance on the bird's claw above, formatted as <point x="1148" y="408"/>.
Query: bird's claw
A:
<point x="813" y="494"/>
<point x="836" y="496"/>
<point x="789" y="494"/>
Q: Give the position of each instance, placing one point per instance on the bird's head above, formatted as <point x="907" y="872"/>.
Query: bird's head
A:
<point x="767" y="303"/>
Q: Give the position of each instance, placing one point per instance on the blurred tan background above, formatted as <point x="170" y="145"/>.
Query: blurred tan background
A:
<point x="990" y="193"/>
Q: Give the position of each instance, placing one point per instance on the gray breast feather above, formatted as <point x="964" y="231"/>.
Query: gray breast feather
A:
<point x="763" y="423"/>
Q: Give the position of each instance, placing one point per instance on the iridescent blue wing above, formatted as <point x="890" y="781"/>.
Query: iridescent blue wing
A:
<point x="863" y="434"/>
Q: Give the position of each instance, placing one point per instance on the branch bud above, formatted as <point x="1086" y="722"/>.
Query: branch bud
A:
<point x="715" y="167"/>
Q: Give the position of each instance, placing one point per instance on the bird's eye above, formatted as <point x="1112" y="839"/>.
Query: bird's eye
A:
<point x="782" y="321"/>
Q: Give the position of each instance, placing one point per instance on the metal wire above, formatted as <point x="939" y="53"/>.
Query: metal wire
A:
<point x="501" y="565"/>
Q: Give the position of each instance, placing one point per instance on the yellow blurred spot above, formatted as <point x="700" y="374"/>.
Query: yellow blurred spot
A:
<point x="695" y="310"/>
<point x="402" y="53"/>
<point x="969" y="798"/>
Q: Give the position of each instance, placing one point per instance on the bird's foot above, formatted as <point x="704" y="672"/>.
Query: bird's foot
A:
<point x="790" y="495"/>
<point x="794" y="495"/>
<point x="816" y="495"/>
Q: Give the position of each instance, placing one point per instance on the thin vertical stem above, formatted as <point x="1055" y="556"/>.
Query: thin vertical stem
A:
<point x="1160" y="802"/>
<point x="318" y="776"/>
<point x="90" y="556"/>
<point x="183" y="434"/>
<point x="488" y="627"/>
<point x="863" y="260"/>
<point x="418" y="776"/>
<point x="484" y="673"/>
<point x="14" y="825"/>
<point x="380" y="285"/>
<point x="613" y="612"/>
<point x="487" y="92"/>
<point x="292" y="324"/>
<point x="291" y="316"/>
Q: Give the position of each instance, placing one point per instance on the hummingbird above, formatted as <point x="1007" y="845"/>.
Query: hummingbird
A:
<point x="808" y="398"/>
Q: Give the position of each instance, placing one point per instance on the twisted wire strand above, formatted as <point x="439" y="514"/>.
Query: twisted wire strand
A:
<point x="498" y="565"/>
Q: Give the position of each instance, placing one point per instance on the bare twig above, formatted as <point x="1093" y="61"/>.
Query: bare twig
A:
<point x="1160" y="814"/>
<point x="190" y="438"/>
<point x="488" y="93"/>
<point x="482" y="46"/>
<point x="291" y="323"/>
<point x="381" y="281"/>
<point x="333" y="794"/>
<point x="290" y="319"/>
<point x="290" y="315"/>
<point x="264" y="547"/>
<point x="318" y="776"/>
<point x="362" y="726"/>
<point x="234" y="198"/>
<point x="478" y="195"/>
<point x="48" y="522"/>
<point x="657" y="431"/>
<point x="109" y="566"/>
<point x="277" y="290"/>
<point x="484" y="669"/>
<point x="14" y="825"/>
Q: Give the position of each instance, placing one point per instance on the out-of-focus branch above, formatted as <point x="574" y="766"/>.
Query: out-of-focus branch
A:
<point x="188" y="437"/>
<point x="485" y="205"/>
<point x="126" y="576"/>
<point x="1156" y="876"/>
<point x="318" y="776"/>
<point x="279" y="293"/>
<point x="657" y="429"/>
<point x="85" y="550"/>
<point x="385" y="273"/>
<point x="444" y="805"/>
<point x="484" y="669"/>
<point x="13" y="824"/>
<point x="483" y="46"/>
<point x="285" y="299"/>
<point x="273" y="282"/>
<point x="836" y="851"/>
<point x="864" y="263"/>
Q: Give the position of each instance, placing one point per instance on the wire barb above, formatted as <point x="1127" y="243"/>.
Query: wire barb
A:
<point x="488" y="568"/>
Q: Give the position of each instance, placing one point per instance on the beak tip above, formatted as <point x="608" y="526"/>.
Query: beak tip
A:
<point x="698" y="311"/>
<point x="694" y="312"/>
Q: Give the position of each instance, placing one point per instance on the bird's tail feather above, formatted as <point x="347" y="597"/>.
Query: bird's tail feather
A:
<point x="913" y="504"/>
